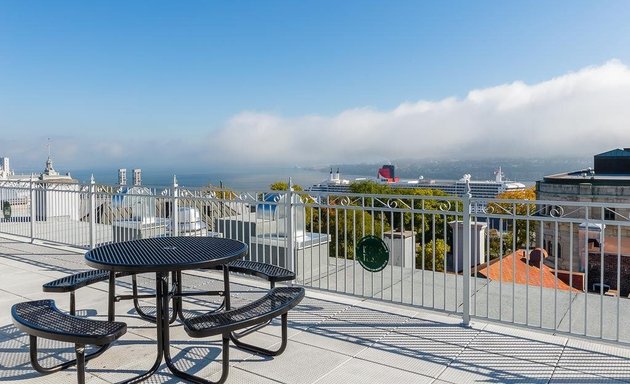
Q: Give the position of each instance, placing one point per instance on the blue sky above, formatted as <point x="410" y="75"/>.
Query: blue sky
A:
<point x="190" y="78"/>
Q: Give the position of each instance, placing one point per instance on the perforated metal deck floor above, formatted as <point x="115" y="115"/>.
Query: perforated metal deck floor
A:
<point x="333" y="339"/>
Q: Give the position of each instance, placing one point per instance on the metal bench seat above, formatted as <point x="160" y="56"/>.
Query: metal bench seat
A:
<point x="269" y="272"/>
<point x="43" y="319"/>
<point x="78" y="280"/>
<point x="277" y="302"/>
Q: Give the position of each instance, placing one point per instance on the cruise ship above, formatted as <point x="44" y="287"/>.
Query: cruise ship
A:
<point x="386" y="175"/>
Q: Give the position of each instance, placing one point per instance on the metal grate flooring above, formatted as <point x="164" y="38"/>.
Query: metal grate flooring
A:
<point x="333" y="339"/>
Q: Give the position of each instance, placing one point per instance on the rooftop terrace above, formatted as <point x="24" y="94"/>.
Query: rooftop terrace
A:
<point x="332" y="338"/>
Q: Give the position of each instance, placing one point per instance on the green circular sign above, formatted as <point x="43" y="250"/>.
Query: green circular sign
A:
<point x="6" y="210"/>
<point x="372" y="253"/>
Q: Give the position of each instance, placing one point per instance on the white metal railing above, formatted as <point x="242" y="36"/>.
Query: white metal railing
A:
<point x="462" y="255"/>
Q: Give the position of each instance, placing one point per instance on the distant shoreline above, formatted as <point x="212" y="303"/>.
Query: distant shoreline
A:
<point x="526" y="171"/>
<point x="238" y="180"/>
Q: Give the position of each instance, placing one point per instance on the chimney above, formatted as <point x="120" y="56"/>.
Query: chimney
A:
<point x="137" y="177"/>
<point x="536" y="256"/>
<point x="122" y="176"/>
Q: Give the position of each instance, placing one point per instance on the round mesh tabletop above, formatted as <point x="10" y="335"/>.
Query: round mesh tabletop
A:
<point x="165" y="254"/>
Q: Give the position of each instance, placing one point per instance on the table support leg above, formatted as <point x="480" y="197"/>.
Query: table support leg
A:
<point x="146" y="316"/>
<point x="179" y="294"/>
<point x="136" y="302"/>
<point x="161" y="297"/>
<point x="111" y="305"/>
<point x="226" y="287"/>
<point x="225" y="363"/>
<point x="177" y="300"/>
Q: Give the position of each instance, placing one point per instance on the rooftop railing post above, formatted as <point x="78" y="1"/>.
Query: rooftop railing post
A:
<point x="222" y="196"/>
<point x="32" y="197"/>
<point x="175" y="211"/>
<point x="466" y="262"/>
<point x="290" y="256"/>
<point x="92" y="191"/>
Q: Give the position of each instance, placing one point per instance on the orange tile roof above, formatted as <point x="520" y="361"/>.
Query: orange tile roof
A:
<point x="514" y="267"/>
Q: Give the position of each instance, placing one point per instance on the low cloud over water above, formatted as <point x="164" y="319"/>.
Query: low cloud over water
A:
<point x="576" y="114"/>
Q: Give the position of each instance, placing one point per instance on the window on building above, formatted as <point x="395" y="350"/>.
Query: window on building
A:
<point x="610" y="214"/>
<point x="548" y="245"/>
<point x="544" y="210"/>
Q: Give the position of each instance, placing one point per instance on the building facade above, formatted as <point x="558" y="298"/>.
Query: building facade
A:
<point x="606" y="187"/>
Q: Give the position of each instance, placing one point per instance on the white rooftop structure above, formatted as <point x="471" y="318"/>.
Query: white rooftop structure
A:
<point x="48" y="174"/>
<point x="5" y="170"/>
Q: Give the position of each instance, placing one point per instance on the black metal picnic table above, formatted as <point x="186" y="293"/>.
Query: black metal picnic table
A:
<point x="162" y="256"/>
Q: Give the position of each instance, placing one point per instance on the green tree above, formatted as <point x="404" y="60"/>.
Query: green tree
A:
<point x="347" y="227"/>
<point x="422" y="201"/>
<point x="429" y="251"/>
<point x="517" y="219"/>
<point x="501" y="244"/>
<point x="284" y="186"/>
<point x="369" y="187"/>
<point x="427" y="226"/>
<point x="419" y="199"/>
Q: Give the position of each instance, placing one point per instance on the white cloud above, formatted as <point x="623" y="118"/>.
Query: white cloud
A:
<point x="577" y="114"/>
